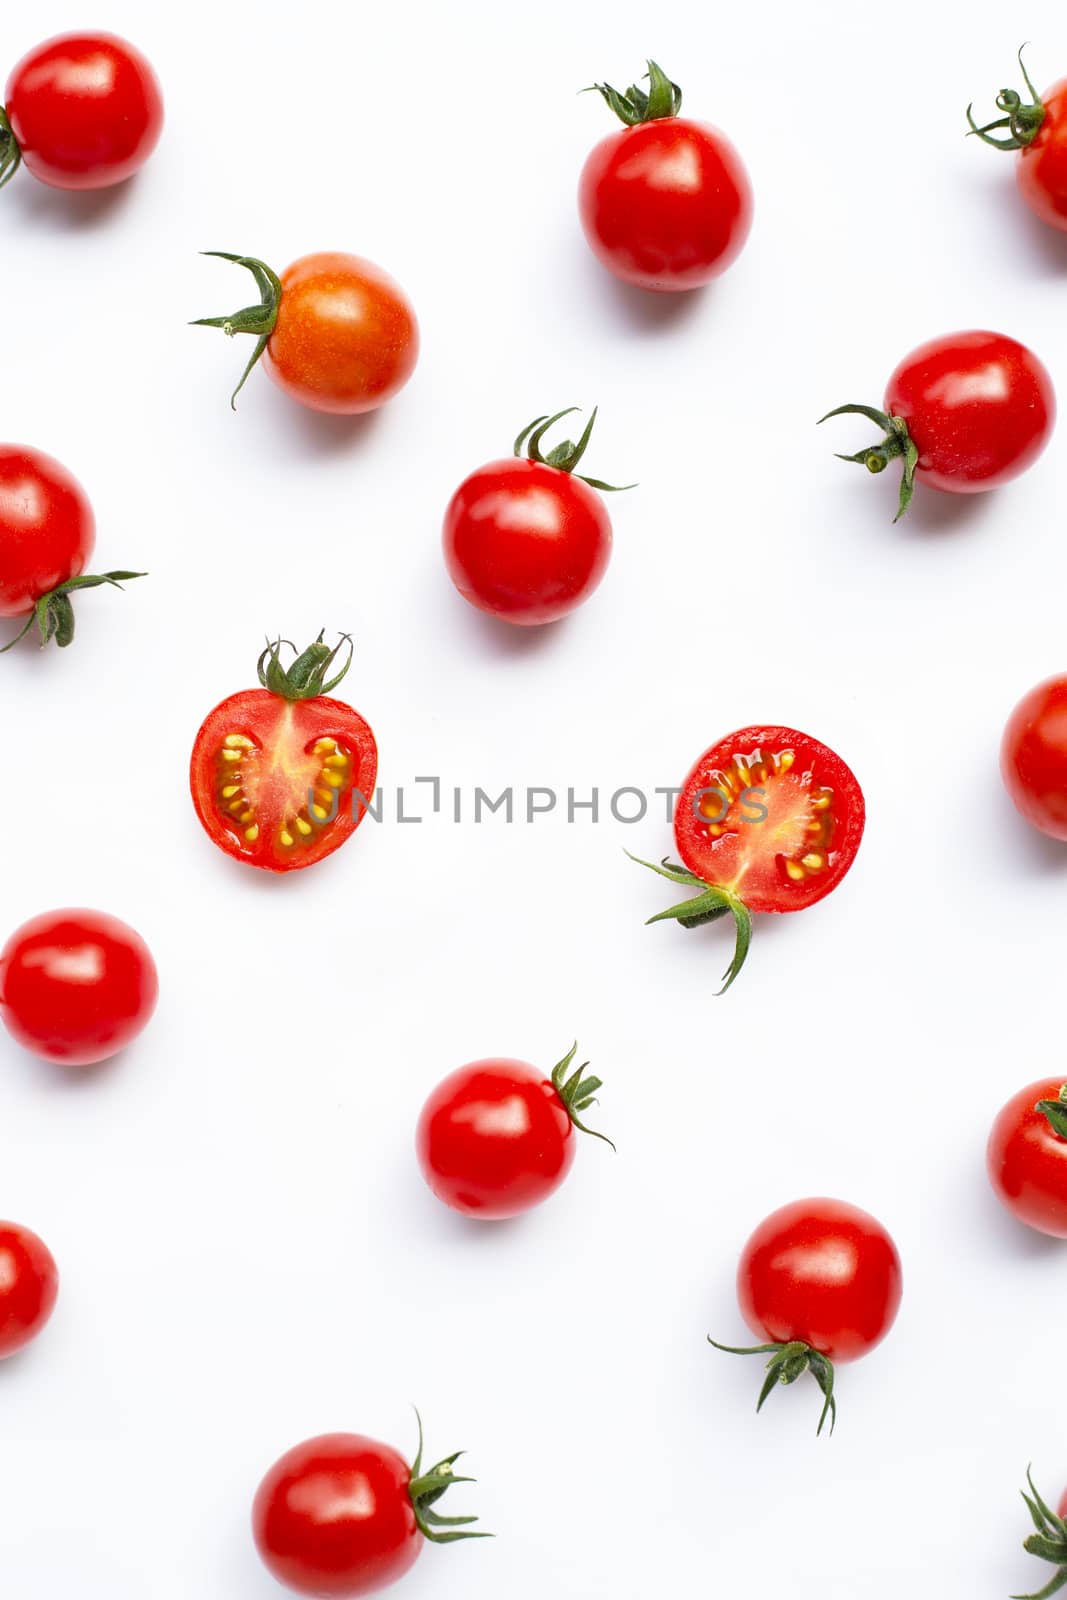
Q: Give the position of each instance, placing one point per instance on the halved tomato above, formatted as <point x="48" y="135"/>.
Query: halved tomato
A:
<point x="281" y="776"/>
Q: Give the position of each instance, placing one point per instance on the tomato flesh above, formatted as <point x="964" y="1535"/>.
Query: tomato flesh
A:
<point x="1027" y="1161"/>
<point x="47" y="529"/>
<point x="1033" y="757"/>
<point x="771" y="815"/>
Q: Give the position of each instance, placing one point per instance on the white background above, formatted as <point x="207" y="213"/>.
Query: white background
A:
<point x="248" y="1253"/>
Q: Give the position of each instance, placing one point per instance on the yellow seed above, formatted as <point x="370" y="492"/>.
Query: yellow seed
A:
<point x="795" y="871"/>
<point x="814" y="863"/>
<point x="247" y="816"/>
<point x="235" y="805"/>
<point x="252" y="834"/>
<point x="324" y="744"/>
<point x="237" y="741"/>
<point x="303" y="827"/>
<point x="320" y="812"/>
<point x="786" y="759"/>
<point x="286" y="837"/>
<point x="822" y="803"/>
<point x="231" y="755"/>
<point x="324" y="797"/>
<point x="336" y="761"/>
<point x="334" y="779"/>
<point x="230" y="790"/>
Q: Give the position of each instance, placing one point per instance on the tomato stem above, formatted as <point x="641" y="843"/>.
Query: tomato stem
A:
<point x="788" y="1363"/>
<point x="897" y="443"/>
<point x="566" y="456"/>
<point x="10" y="154"/>
<point x="664" y="98"/>
<point x="53" y="613"/>
<point x="1021" y="119"/>
<point x="577" y="1092"/>
<point x="1056" y="1112"/>
<point x="711" y="903"/>
<point x="426" y="1489"/>
<point x="1049" y="1541"/>
<point x="307" y="677"/>
<point x="258" y="319"/>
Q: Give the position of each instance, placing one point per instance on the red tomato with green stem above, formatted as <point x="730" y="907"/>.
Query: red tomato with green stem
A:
<point x="47" y="534"/>
<point x="768" y="820"/>
<point x="82" y="111"/>
<point x="76" y="986"/>
<point x="666" y="203"/>
<point x="1037" y="130"/>
<point x="821" y="1281"/>
<point x="527" y="539"/>
<point x="964" y="413"/>
<point x="1049" y="1539"/>
<point x="1033" y="757"/>
<point x="334" y="332"/>
<point x="343" y="1515"/>
<point x="497" y="1137"/>
<point x="29" y="1287"/>
<point x="1027" y="1156"/>
<point x="282" y="776"/>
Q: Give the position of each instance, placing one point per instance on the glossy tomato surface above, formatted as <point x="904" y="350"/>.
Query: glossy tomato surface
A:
<point x="665" y="205"/>
<point x="823" y="1272"/>
<point x="29" y="1286"/>
<point x="334" y="1517"/>
<point x="1027" y="1160"/>
<point x="980" y="408"/>
<point x="771" y="815"/>
<point x="526" y="542"/>
<point x="1033" y="757"/>
<point x="47" y="529"/>
<point x="86" y="110"/>
<point x="494" y="1139"/>
<point x="1041" y="169"/>
<point x="76" y="986"/>
<point x="346" y="339"/>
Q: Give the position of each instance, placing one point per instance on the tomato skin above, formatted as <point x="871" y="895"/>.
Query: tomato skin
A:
<point x="1041" y="170"/>
<point x="29" y="1287"/>
<point x="665" y="205"/>
<point x="823" y="1272"/>
<point x="333" y="1517"/>
<point x="346" y="339"/>
<point x="76" y="986"/>
<point x="494" y="1139"/>
<point x="1033" y="757"/>
<point x="526" y="542"/>
<point x="980" y="408"/>
<point x="1027" y="1161"/>
<point x="47" y="528"/>
<point x="86" y="110"/>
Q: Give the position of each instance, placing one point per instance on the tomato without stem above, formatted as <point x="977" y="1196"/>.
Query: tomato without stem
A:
<point x="29" y="1287"/>
<point x="76" y="986"/>
<point x="83" y="111"/>
<point x="1033" y="757"/>
<point x="1037" y="130"/>
<point x="666" y="203"/>
<point x="1027" y="1156"/>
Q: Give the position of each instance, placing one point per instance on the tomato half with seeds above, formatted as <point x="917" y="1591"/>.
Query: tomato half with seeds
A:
<point x="1033" y="757"/>
<point x="29" y="1287"/>
<point x="1037" y="130"/>
<point x="334" y="332"/>
<point x="1027" y="1156"/>
<point x="281" y="776"/>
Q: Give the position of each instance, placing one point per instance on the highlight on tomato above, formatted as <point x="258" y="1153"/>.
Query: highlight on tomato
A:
<point x="527" y="538"/>
<point x="1027" y="1156"/>
<point x="282" y="775"/>
<point x="666" y="203"/>
<point x="1048" y="1540"/>
<point x="497" y="1136"/>
<point x="47" y="534"/>
<point x="81" y="111"/>
<point x="334" y="331"/>
<point x="1036" y="130"/>
<point x="29" y="1287"/>
<point x="964" y="413"/>
<point x="768" y="820"/>
<point x="820" y="1281"/>
<point x="344" y="1515"/>
<point x="76" y="986"/>
<point x="1033" y="757"/>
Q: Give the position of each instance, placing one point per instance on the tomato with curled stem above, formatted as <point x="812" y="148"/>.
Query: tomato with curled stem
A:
<point x="1033" y="757"/>
<point x="768" y="820"/>
<point x="1049" y="1539"/>
<point x="29" y="1287"/>
<point x="1037" y="130"/>
<point x="1027" y="1156"/>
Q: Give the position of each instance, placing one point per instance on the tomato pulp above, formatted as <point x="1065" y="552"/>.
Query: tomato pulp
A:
<point x="1033" y="757"/>
<point x="1027" y="1156"/>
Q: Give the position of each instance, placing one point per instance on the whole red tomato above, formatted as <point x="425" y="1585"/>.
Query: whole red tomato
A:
<point x="497" y="1137"/>
<point x="1037" y="130"/>
<point x="965" y="413"/>
<point x="83" y="111"/>
<point x="1033" y="757"/>
<point x="334" y="331"/>
<point x="29" y="1285"/>
<point x="281" y="776"/>
<point x="820" y="1280"/>
<point x="666" y="204"/>
<point x="1027" y="1156"/>
<point x="768" y="819"/>
<point x="344" y="1515"/>
<point x="526" y="539"/>
<point x="47" y="534"/>
<point x="76" y="986"/>
<point x="1049" y="1539"/>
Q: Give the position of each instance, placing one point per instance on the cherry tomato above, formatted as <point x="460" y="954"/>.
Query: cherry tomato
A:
<point x="281" y="776"/>
<point x="334" y="331"/>
<point x="1033" y="757"/>
<point x="1048" y="1539"/>
<point x="84" y="111"/>
<point x="666" y="203"/>
<point x="526" y="539"/>
<point x="965" y="413"/>
<point x="497" y="1137"/>
<point x="1037" y="129"/>
<point x="29" y="1286"/>
<point x="344" y="1515"/>
<point x="820" y="1280"/>
<point x="1027" y="1156"/>
<point x="76" y="986"/>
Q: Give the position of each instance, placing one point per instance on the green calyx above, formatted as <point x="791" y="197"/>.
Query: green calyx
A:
<point x="663" y="99"/>
<point x="427" y="1487"/>
<point x="898" y="443"/>
<point x="707" y="905"/>
<point x="566" y="456"/>
<point x="308" y="676"/>
<point x="53" y="613"/>
<point x="788" y="1363"/>
<point x="577" y="1091"/>
<point x="1055" y="1111"/>
<point x="1049" y="1541"/>
<point x="10" y="154"/>
<point x="1020" y="119"/>
<point x="258" y="320"/>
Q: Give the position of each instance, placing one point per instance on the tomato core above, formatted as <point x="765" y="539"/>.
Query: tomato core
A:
<point x="291" y="790"/>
